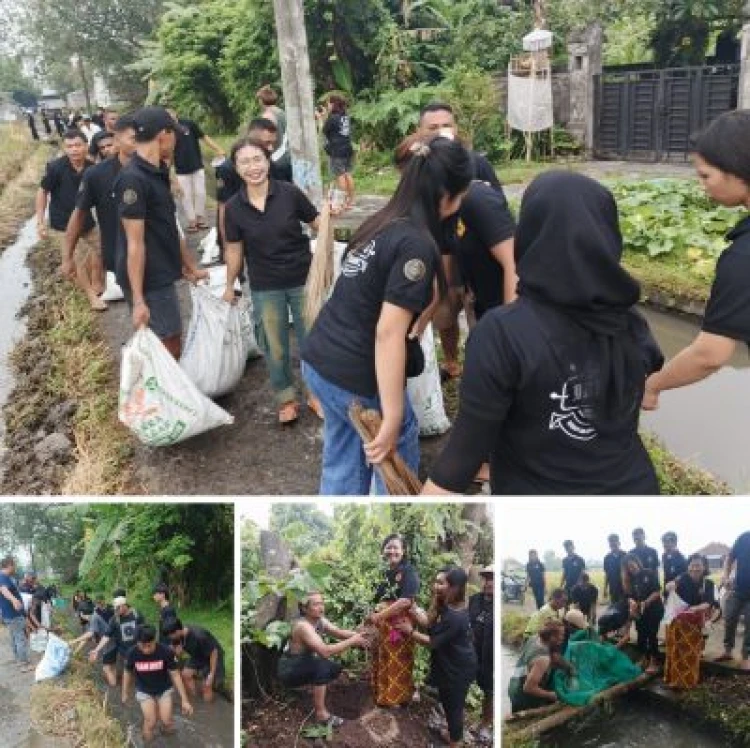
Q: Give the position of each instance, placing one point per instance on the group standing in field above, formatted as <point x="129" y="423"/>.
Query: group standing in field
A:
<point x="681" y="601"/>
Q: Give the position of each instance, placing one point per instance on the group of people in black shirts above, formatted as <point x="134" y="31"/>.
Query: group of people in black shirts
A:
<point x="560" y="360"/>
<point x="636" y="593"/>
<point x="458" y="632"/>
<point x="150" y="654"/>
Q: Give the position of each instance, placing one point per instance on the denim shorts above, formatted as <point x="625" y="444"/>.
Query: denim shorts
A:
<point x="164" y="307"/>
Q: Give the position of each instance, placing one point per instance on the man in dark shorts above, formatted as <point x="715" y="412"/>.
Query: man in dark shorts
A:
<point x="60" y="186"/>
<point x="481" y="615"/>
<point x="206" y="656"/>
<point x="153" y="667"/>
<point x="150" y="256"/>
<point x="738" y="601"/>
<point x="119" y="639"/>
<point x="97" y="193"/>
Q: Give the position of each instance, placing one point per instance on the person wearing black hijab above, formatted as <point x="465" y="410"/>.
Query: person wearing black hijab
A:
<point x="554" y="380"/>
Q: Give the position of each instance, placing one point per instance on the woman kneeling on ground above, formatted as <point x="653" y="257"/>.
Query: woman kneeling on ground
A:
<point x="453" y="662"/>
<point x="357" y="348"/>
<point x="263" y="220"/>
<point x="306" y="658"/>
<point x="553" y="381"/>
<point x="722" y="159"/>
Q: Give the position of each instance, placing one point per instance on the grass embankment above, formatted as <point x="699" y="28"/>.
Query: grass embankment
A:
<point x="72" y="707"/>
<point x="64" y="360"/>
<point x="21" y="166"/>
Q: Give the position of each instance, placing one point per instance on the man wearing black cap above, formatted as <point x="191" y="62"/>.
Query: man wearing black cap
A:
<point x="150" y="256"/>
<point x="167" y="612"/>
<point x="97" y="192"/>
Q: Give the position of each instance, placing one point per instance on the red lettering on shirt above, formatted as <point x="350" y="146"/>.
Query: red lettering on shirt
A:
<point x="149" y="667"/>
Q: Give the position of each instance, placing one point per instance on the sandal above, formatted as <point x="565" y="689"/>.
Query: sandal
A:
<point x="332" y="721"/>
<point x="314" y="404"/>
<point x="289" y="412"/>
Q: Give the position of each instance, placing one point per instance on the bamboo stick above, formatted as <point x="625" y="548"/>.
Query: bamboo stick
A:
<point x="397" y="477"/>
<point x="541" y="711"/>
<point x="569" y="712"/>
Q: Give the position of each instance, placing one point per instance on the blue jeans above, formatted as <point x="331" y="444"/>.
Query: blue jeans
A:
<point x="17" y="629"/>
<point x="271" y="309"/>
<point x="345" y="469"/>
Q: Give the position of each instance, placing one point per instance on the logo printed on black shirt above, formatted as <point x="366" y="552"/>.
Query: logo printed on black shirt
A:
<point x="572" y="416"/>
<point x="129" y="196"/>
<point x="356" y="262"/>
<point x="415" y="270"/>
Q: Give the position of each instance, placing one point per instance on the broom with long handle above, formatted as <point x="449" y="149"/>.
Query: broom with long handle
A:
<point x="399" y="480"/>
<point x="320" y="277"/>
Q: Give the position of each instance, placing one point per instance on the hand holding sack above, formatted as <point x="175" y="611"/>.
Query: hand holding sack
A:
<point x="158" y="402"/>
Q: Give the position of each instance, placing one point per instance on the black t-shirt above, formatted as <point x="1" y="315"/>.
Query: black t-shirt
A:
<point x="187" y="150"/>
<point x="674" y="564"/>
<point x="741" y="555"/>
<point x="276" y="249"/>
<point x="481" y="617"/>
<point x="696" y="593"/>
<point x="338" y="132"/>
<point x="535" y="572"/>
<point x="585" y="597"/>
<point x="728" y="308"/>
<point x="152" y="670"/>
<point x="573" y="566"/>
<point x="401" y="582"/>
<point x="167" y="615"/>
<point x="528" y="377"/>
<point x="644" y="583"/>
<point x="648" y="557"/>
<point x="123" y="630"/>
<point x="397" y="266"/>
<point x="142" y="191"/>
<point x="63" y="182"/>
<point x="454" y="660"/>
<point x="483" y="170"/>
<point x="199" y="644"/>
<point x="613" y="572"/>
<point x="97" y="191"/>
<point x="484" y="221"/>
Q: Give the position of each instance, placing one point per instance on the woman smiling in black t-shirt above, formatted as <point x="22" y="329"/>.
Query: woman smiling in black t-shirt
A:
<point x="357" y="347"/>
<point x="553" y="381"/>
<point x="722" y="160"/>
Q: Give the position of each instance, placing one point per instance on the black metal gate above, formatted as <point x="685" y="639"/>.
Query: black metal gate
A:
<point x="649" y="115"/>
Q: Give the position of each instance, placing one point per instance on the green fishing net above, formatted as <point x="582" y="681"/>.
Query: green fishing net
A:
<point x="596" y="668"/>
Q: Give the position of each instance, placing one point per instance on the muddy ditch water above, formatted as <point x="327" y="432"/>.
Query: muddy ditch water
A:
<point x="639" y="720"/>
<point x="210" y="726"/>
<point x="15" y="289"/>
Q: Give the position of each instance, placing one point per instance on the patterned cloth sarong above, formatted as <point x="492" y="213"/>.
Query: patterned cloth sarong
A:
<point x="684" y="650"/>
<point x="392" y="666"/>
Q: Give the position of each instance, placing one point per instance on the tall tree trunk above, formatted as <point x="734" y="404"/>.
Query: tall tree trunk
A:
<point x="299" y="103"/>
<point x="465" y="544"/>
<point x="85" y="83"/>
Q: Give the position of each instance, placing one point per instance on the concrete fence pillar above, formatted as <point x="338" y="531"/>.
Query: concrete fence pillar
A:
<point x="584" y="62"/>
<point x="743" y="94"/>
